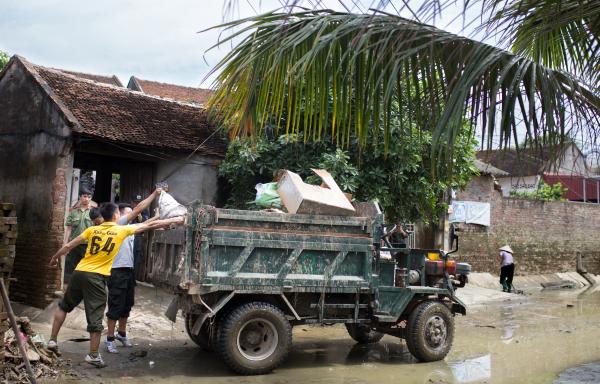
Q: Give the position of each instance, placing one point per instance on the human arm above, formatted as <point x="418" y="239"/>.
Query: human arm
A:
<point x="64" y="250"/>
<point x="148" y="225"/>
<point x="68" y="227"/>
<point x="152" y="219"/>
<point x="67" y="235"/>
<point x="143" y="205"/>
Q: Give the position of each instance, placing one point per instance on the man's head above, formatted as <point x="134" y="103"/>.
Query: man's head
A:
<point x="85" y="197"/>
<point x="110" y="212"/>
<point x="124" y="209"/>
<point x="136" y="200"/>
<point x="96" y="216"/>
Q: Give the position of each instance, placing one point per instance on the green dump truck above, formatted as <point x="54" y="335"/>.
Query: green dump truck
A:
<point x="243" y="279"/>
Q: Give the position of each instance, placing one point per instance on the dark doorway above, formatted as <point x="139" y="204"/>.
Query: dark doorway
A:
<point x="117" y="178"/>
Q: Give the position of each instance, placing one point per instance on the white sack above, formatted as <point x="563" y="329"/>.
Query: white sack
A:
<point x="169" y="207"/>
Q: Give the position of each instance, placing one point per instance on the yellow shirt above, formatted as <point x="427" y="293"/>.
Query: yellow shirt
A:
<point x="104" y="241"/>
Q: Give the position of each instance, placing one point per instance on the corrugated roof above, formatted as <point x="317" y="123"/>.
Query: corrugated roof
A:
<point x="575" y="186"/>
<point x="122" y="115"/>
<point x="170" y="91"/>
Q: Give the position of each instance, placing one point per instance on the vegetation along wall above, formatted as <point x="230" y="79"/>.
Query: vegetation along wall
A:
<point x="546" y="236"/>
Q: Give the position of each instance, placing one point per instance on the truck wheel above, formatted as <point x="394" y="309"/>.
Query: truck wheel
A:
<point x="203" y="339"/>
<point x="363" y="334"/>
<point x="430" y="331"/>
<point x="254" y="338"/>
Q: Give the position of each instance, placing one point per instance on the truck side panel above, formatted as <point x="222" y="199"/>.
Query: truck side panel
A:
<point x="264" y="251"/>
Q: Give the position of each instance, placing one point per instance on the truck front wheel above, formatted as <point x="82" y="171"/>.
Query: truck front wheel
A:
<point x="430" y="331"/>
<point x="363" y="334"/>
<point x="254" y="338"/>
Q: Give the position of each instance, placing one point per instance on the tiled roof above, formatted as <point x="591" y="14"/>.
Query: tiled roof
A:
<point x="122" y="115"/>
<point x="488" y="169"/>
<point x="112" y="80"/>
<point x="526" y="162"/>
<point x="170" y="91"/>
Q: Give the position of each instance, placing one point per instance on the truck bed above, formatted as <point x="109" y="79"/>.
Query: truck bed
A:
<point x="225" y="249"/>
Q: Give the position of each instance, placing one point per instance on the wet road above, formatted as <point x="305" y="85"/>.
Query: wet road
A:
<point x="529" y="339"/>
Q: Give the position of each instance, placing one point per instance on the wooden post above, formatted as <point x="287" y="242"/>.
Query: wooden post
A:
<point x="15" y="327"/>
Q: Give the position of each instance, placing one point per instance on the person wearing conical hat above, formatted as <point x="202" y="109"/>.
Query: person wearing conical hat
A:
<point x="507" y="270"/>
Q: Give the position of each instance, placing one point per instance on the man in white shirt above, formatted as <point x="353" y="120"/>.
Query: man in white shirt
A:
<point x="121" y="283"/>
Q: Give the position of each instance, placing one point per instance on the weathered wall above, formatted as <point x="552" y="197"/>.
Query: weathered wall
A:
<point x="194" y="179"/>
<point x="546" y="236"/>
<point x="521" y="184"/>
<point x="34" y="157"/>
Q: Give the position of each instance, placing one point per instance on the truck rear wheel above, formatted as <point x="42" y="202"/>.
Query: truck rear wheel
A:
<point x="254" y="338"/>
<point x="363" y="334"/>
<point x="203" y="339"/>
<point x="430" y="331"/>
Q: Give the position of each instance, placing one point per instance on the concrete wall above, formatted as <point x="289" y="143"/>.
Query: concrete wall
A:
<point x="546" y="236"/>
<point x="34" y="163"/>
<point x="194" y="179"/>
<point x="521" y="184"/>
<point x="572" y="162"/>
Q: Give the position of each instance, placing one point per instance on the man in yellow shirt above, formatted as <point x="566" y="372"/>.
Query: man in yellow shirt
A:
<point x="88" y="282"/>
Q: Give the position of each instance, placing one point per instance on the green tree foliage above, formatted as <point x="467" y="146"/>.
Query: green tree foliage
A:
<point x="545" y="192"/>
<point x="3" y="59"/>
<point x="400" y="180"/>
<point x="293" y="61"/>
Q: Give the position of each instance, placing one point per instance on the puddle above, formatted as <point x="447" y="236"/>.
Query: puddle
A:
<point x="524" y="340"/>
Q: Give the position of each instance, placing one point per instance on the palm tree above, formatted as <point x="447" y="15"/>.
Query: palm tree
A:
<point x="339" y="74"/>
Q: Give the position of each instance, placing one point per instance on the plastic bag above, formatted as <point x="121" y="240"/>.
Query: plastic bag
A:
<point x="267" y="196"/>
<point x="169" y="207"/>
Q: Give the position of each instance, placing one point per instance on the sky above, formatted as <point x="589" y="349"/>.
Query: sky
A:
<point x="150" y="39"/>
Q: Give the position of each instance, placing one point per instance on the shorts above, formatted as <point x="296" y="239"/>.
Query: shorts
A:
<point x="73" y="258"/>
<point x="121" y="293"/>
<point x="91" y="288"/>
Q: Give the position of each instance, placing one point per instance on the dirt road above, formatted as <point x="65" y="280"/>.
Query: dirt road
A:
<point x="522" y="339"/>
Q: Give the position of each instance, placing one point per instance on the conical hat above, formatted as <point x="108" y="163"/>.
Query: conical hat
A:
<point x="507" y="249"/>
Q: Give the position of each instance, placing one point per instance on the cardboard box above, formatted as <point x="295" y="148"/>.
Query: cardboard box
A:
<point x="299" y="197"/>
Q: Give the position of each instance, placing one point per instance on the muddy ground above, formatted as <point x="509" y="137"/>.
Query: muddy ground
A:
<point x="511" y="339"/>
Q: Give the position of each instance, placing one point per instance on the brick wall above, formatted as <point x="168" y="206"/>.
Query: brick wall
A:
<point x="36" y="152"/>
<point x="546" y="236"/>
<point x="36" y="282"/>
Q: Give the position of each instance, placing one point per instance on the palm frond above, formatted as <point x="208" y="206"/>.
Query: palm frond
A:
<point x="558" y="34"/>
<point x="338" y="75"/>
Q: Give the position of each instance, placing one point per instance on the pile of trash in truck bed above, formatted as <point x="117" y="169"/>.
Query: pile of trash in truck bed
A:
<point x="289" y="192"/>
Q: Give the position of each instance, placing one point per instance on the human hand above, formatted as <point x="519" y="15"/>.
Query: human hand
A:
<point x="54" y="262"/>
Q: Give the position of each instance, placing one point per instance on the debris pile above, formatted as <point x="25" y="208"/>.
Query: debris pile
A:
<point x="289" y="192"/>
<point x="45" y="363"/>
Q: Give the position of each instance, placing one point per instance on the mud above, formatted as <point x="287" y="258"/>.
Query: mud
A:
<point x="522" y="339"/>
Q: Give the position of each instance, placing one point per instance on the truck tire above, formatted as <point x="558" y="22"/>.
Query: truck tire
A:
<point x="430" y="331"/>
<point x="363" y="334"/>
<point x="203" y="339"/>
<point x="254" y="338"/>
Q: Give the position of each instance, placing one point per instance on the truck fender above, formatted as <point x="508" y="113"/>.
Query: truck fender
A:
<point x="211" y="311"/>
<point x="457" y="306"/>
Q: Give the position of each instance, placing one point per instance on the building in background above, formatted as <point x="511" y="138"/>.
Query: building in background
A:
<point x="56" y="126"/>
<point x="526" y="168"/>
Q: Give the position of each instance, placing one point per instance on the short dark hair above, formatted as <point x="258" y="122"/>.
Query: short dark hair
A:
<point x="122" y="207"/>
<point x="107" y="210"/>
<point x="94" y="213"/>
<point x="84" y="191"/>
